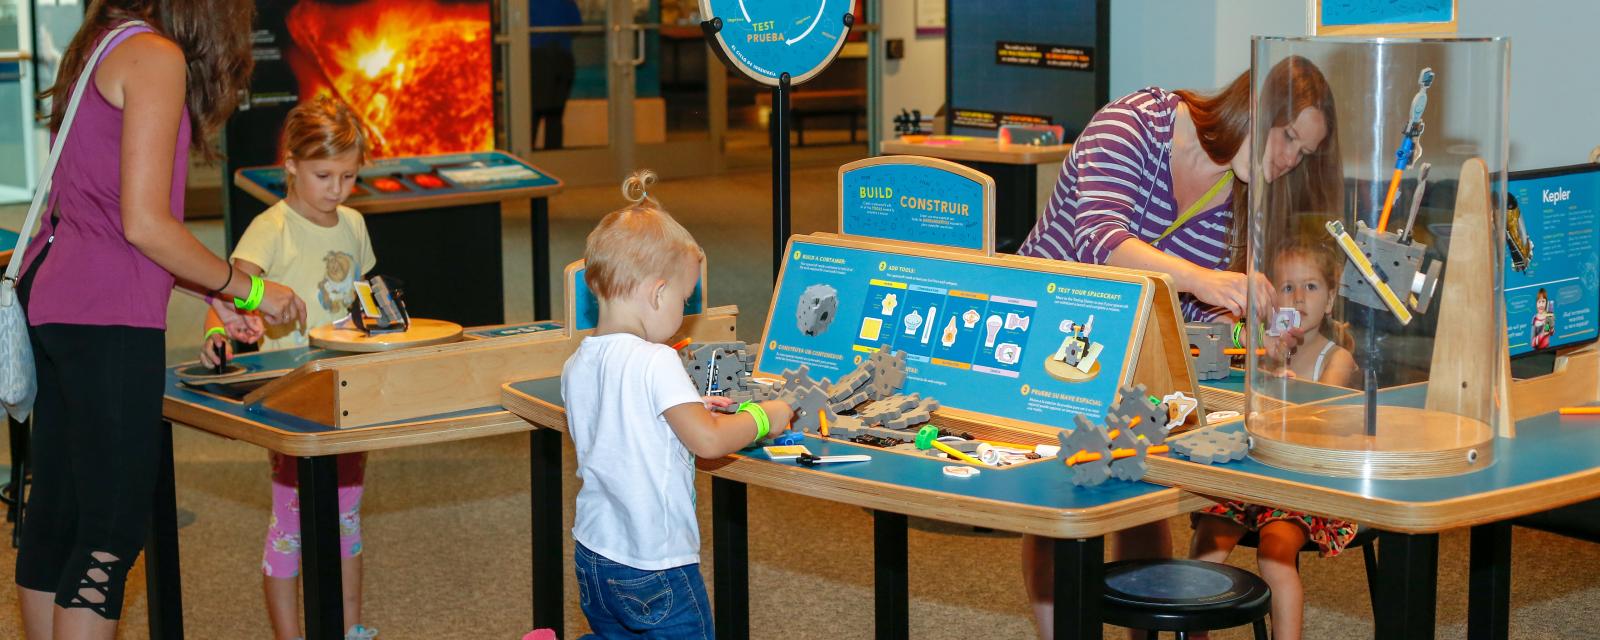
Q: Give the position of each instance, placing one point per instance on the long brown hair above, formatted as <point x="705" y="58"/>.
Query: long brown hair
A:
<point x="213" y="34"/>
<point x="1222" y="121"/>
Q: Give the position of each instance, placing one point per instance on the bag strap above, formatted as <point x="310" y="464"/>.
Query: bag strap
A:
<point x="1197" y="207"/>
<point x="37" y="208"/>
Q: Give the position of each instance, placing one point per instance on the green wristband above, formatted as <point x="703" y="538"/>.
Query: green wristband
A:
<point x="763" y="425"/>
<point x="214" y="331"/>
<point x="257" y="288"/>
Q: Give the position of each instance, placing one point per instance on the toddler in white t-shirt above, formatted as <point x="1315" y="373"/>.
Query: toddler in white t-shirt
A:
<point x="637" y="423"/>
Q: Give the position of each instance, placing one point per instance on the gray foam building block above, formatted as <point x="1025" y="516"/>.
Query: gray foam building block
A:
<point x="1087" y="436"/>
<point x="1213" y="446"/>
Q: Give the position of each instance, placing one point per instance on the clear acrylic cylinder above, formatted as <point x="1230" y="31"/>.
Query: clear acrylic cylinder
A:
<point x="1377" y="215"/>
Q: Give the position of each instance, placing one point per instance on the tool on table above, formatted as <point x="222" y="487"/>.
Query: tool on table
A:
<point x="220" y="349"/>
<point x="928" y="437"/>
<point x="811" y="460"/>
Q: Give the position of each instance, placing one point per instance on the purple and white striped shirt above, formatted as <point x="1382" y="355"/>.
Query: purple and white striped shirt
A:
<point x="1117" y="184"/>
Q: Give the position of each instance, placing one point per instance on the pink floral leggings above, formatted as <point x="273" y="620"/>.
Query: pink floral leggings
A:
<point x="281" y="558"/>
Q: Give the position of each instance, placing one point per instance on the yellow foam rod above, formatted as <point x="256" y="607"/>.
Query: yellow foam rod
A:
<point x="1363" y="265"/>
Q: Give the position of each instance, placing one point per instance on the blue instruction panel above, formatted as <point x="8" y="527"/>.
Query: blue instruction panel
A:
<point x="769" y="38"/>
<point x="1357" y="12"/>
<point x="587" y="306"/>
<point x="1552" y="265"/>
<point x="915" y="203"/>
<point x="979" y="337"/>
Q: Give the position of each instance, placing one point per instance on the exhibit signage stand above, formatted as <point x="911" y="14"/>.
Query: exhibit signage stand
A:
<point x="918" y="199"/>
<point x="982" y="334"/>
<point x="781" y="45"/>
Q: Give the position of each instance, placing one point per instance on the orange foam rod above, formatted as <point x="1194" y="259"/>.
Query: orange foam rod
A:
<point x="1388" y="201"/>
<point x="1580" y="411"/>
<point x="1230" y="351"/>
<point x="679" y="345"/>
<point x="1082" y="457"/>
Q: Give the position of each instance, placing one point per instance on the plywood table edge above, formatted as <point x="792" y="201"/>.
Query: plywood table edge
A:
<point x="1383" y="513"/>
<point x="912" y="501"/>
<point x="374" y="438"/>
<point x="1014" y="154"/>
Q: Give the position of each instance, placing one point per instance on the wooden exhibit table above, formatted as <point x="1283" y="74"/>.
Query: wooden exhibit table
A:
<point x="435" y="224"/>
<point x="314" y="404"/>
<point x="1034" y="498"/>
<point x="1553" y="461"/>
<point x="1024" y="176"/>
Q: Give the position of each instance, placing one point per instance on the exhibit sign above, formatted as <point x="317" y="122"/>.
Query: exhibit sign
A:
<point x="1552" y="265"/>
<point x="1384" y="17"/>
<point x="583" y="307"/>
<point x="981" y="334"/>
<point x="767" y="39"/>
<point x="917" y="199"/>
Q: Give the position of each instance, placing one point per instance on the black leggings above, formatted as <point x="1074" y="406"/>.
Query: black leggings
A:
<point x="95" y="451"/>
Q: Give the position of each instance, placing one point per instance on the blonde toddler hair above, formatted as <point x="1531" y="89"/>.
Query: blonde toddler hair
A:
<point x="636" y="243"/>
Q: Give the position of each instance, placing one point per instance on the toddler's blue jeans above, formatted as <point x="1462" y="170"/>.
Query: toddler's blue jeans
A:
<point x="623" y="602"/>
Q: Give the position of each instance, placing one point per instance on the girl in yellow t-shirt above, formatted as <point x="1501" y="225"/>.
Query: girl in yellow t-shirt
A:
<point x="317" y="247"/>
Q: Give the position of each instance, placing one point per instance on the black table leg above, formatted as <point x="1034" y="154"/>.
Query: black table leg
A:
<point x="319" y="548"/>
<point x="161" y="578"/>
<point x="1489" y="586"/>
<point x="1410" y="585"/>
<point x="730" y="546"/>
<point x="1080" y="580"/>
<point x="891" y="587"/>
<point x="539" y="222"/>
<point x="544" y="461"/>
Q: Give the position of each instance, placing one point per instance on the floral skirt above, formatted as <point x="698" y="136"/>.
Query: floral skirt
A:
<point x="1330" y="535"/>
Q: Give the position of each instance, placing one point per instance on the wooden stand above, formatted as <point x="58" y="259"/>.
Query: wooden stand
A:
<point x="375" y="388"/>
<point x="421" y="333"/>
<point x="1158" y="348"/>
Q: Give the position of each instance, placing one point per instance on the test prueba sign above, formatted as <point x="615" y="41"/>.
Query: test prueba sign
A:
<point x="765" y="39"/>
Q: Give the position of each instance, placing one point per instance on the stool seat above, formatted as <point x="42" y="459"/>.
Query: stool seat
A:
<point x="1183" y="595"/>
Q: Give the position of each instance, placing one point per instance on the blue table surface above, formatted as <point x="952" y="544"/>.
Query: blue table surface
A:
<point x="1042" y="484"/>
<point x="1547" y="446"/>
<point x="8" y="239"/>
<point x="271" y="178"/>
<point x="514" y="329"/>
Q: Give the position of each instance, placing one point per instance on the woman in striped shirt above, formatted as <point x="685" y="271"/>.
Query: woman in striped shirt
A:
<point x="1159" y="180"/>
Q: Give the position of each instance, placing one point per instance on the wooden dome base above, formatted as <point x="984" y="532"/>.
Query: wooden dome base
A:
<point x="1333" y="440"/>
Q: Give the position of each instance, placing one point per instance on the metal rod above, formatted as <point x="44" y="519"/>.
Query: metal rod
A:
<point x="780" y="172"/>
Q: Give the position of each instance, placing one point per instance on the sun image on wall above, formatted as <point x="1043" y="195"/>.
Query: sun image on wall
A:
<point x="418" y="73"/>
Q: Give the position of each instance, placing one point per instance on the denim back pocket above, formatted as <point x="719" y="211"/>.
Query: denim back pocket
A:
<point x="583" y="581"/>
<point x="647" y="600"/>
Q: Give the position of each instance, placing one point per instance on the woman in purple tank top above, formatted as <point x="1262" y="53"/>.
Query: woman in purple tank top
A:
<point x="1159" y="180"/>
<point x="96" y="284"/>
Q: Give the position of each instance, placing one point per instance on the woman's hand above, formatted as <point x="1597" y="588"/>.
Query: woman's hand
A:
<point x="242" y="326"/>
<point x="208" y="350"/>
<point x="1230" y="290"/>
<point x="280" y="305"/>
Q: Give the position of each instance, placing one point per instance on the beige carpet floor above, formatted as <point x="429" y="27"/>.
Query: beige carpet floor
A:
<point x="447" y="525"/>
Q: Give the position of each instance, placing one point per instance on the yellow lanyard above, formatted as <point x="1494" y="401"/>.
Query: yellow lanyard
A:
<point x="1197" y="207"/>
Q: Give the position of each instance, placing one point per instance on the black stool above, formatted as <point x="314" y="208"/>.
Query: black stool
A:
<point x="1183" y="596"/>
